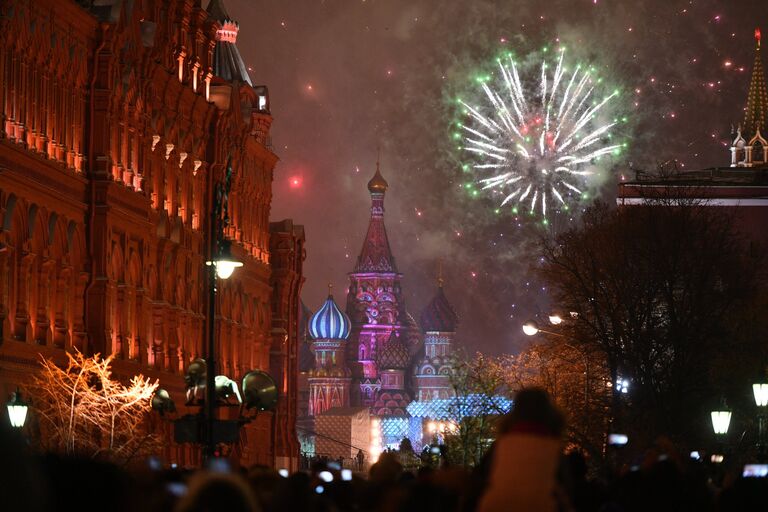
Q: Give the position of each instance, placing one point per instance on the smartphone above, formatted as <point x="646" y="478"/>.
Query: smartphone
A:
<point x="334" y="465"/>
<point x="617" y="439"/>
<point x="325" y="476"/>
<point x="178" y="489"/>
<point x="435" y="450"/>
<point x="755" y="471"/>
<point x="695" y="455"/>
<point x="218" y="465"/>
<point x="346" y="475"/>
<point x="283" y="473"/>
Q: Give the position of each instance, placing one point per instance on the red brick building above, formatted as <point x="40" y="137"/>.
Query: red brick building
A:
<point x="116" y="120"/>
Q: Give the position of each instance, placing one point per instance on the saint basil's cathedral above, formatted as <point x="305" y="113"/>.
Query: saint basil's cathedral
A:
<point x="366" y="365"/>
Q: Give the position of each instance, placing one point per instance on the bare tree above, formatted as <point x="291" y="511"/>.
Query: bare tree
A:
<point x="85" y="411"/>
<point x="666" y="294"/>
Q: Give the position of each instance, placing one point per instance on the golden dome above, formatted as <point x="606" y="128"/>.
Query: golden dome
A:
<point x="377" y="184"/>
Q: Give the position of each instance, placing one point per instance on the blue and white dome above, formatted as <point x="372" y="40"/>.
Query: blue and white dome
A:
<point x="329" y="322"/>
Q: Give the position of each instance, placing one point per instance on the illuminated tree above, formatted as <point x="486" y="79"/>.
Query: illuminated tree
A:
<point x="477" y="382"/>
<point x="578" y="382"/>
<point x="84" y="411"/>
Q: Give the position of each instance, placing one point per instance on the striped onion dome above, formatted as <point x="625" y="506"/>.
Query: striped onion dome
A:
<point x="329" y="322"/>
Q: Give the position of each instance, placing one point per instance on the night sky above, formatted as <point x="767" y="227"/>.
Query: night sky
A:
<point x="346" y="77"/>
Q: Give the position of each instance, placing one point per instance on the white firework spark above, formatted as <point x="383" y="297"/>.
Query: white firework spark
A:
<point x="535" y="145"/>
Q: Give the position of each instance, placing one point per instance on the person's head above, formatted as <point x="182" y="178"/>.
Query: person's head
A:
<point x="386" y="470"/>
<point x="215" y="491"/>
<point x="576" y="464"/>
<point x="405" y="445"/>
<point x="532" y="407"/>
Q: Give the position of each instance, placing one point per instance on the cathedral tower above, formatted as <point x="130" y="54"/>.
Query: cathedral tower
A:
<point x="377" y="310"/>
<point x="329" y="380"/>
<point x="432" y="373"/>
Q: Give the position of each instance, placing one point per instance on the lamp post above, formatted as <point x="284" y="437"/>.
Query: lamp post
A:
<point x="221" y="264"/>
<point x="531" y="328"/>
<point x="17" y="410"/>
<point x="760" y="390"/>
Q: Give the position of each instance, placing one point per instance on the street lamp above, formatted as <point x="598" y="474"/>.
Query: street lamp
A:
<point x="530" y="328"/>
<point x="221" y="264"/>
<point x="17" y="410"/>
<point x="555" y="319"/>
<point x="760" y="390"/>
<point x="224" y="263"/>
<point x="721" y="420"/>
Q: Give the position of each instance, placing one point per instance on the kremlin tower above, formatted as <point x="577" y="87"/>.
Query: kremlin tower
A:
<point x="749" y="148"/>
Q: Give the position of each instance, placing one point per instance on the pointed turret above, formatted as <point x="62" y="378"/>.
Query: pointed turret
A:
<point x="376" y="256"/>
<point x="438" y="321"/>
<point x="757" y="99"/>
<point x="227" y="61"/>
<point x="439" y="315"/>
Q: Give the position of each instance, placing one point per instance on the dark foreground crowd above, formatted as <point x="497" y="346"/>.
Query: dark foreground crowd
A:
<point x="524" y="471"/>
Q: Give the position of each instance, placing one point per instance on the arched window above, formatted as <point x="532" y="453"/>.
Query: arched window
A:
<point x="741" y="153"/>
<point x="758" y="154"/>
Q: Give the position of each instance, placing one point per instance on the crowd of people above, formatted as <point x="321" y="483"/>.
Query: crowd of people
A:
<point x="525" y="470"/>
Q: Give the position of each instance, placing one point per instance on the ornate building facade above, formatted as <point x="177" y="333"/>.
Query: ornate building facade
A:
<point x="117" y="120"/>
<point x="376" y="356"/>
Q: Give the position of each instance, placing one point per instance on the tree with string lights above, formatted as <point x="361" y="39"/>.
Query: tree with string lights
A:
<point x="84" y="411"/>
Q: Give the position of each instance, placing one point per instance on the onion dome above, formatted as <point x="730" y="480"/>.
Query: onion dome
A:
<point x="377" y="184"/>
<point x="329" y="322"/>
<point x="439" y="314"/>
<point x="394" y="355"/>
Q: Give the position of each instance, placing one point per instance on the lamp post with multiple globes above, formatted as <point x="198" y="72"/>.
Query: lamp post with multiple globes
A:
<point x="221" y="265"/>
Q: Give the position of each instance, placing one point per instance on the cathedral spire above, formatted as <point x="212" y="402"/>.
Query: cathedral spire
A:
<point x="757" y="99"/>
<point x="376" y="255"/>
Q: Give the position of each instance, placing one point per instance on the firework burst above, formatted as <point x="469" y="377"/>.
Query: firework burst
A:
<point x="534" y="139"/>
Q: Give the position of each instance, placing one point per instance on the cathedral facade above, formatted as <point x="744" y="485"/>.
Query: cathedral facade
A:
<point x="374" y="355"/>
<point x="117" y="120"/>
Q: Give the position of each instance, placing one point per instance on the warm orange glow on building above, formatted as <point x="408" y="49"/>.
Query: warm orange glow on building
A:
<point x="109" y="147"/>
